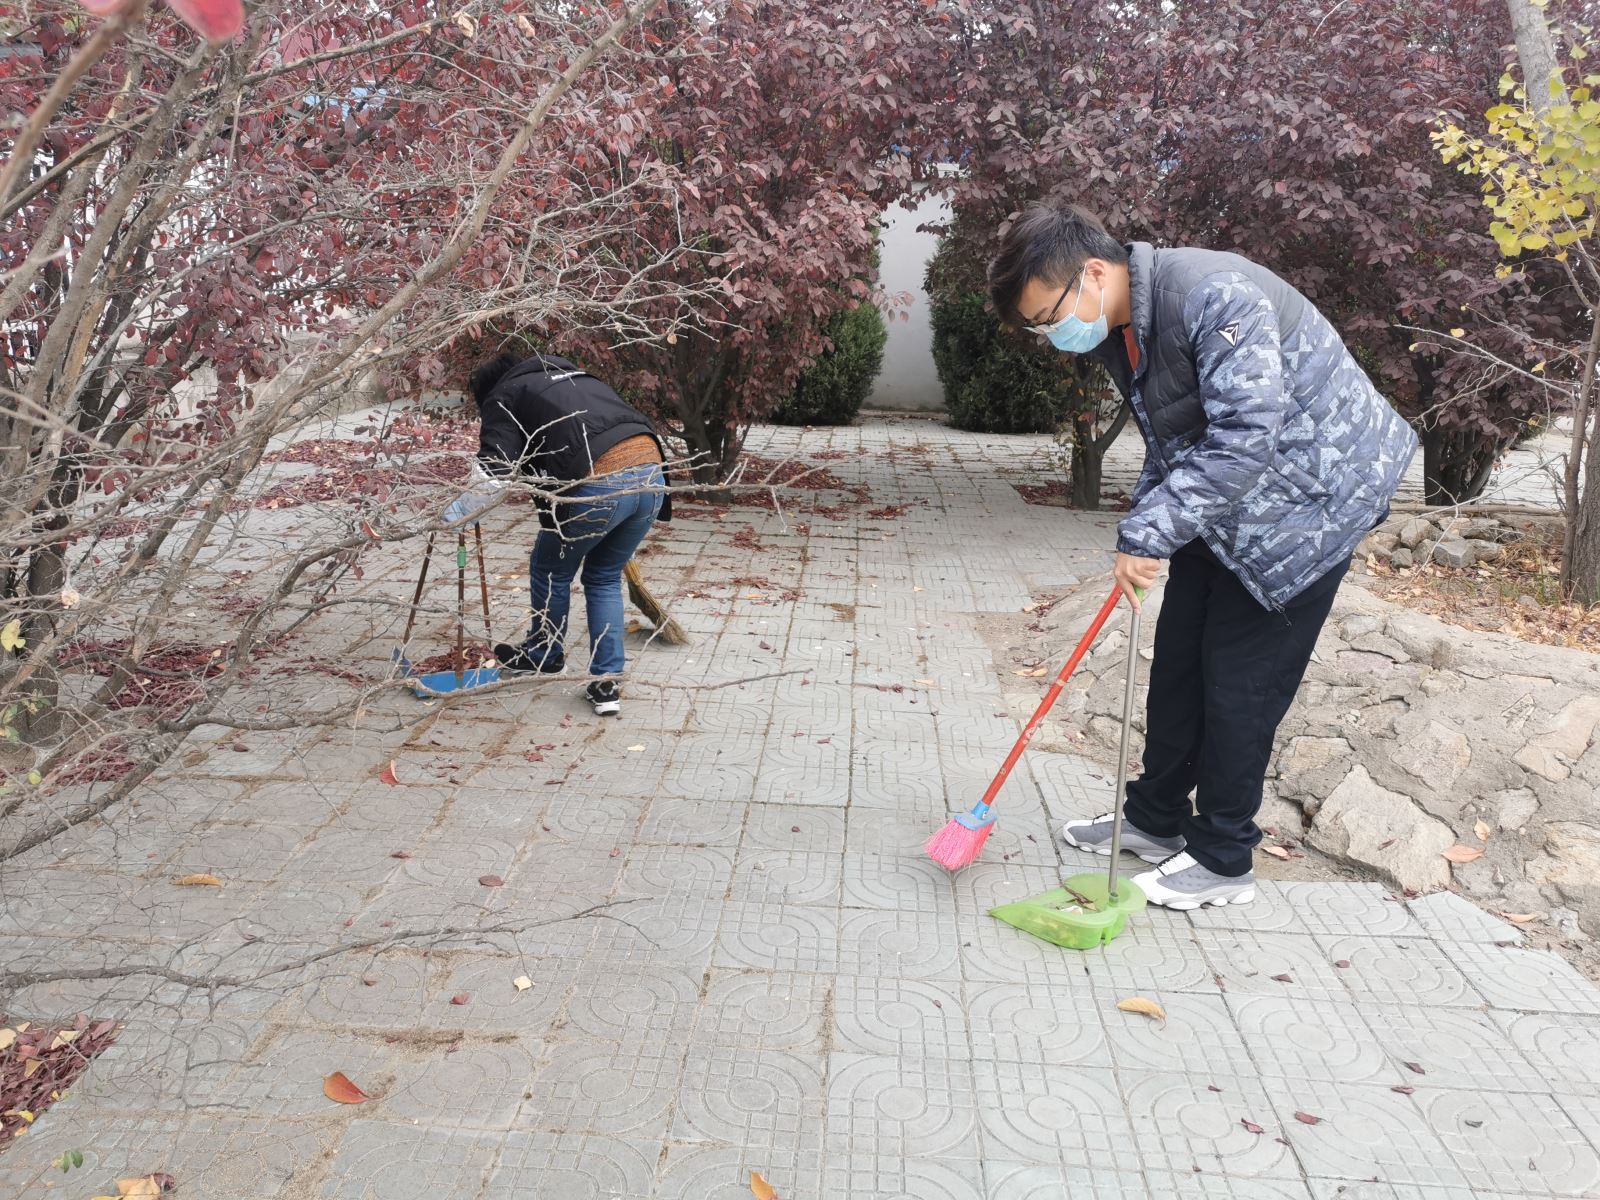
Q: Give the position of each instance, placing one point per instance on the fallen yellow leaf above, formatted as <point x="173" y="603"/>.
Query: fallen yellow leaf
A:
<point x="145" y="1186"/>
<point x="1462" y="854"/>
<point x="926" y="682"/>
<point x="762" y="1189"/>
<point x="8" y="1038"/>
<point x="65" y="1038"/>
<point x="1145" y="1008"/>
<point x="1482" y="830"/>
<point x="1521" y="918"/>
<point x="522" y="983"/>
<point x="31" y="1067"/>
<point x="197" y="881"/>
<point x="338" y="1088"/>
<point x="11" y="636"/>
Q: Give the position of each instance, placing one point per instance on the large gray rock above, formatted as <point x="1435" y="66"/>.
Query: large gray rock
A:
<point x="1437" y="755"/>
<point x="1416" y="531"/>
<point x="1383" y="831"/>
<point x="1402" y="559"/>
<point x="1514" y="808"/>
<point x="1572" y="868"/>
<point x="1452" y="551"/>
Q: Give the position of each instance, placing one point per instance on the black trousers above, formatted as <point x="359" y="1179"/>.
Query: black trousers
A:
<point x="1224" y="673"/>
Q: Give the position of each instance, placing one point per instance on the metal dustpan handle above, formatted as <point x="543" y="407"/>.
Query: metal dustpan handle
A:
<point x="1122" y="748"/>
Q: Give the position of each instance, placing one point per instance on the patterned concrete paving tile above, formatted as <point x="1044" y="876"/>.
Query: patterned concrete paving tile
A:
<point x="1344" y="1189"/>
<point x="664" y="871"/>
<point x="1156" y="953"/>
<point x="1522" y="1143"/>
<point x="1291" y="1038"/>
<point x="1007" y="1180"/>
<point x="1272" y="911"/>
<point x="887" y="775"/>
<point x="63" y="903"/>
<point x="167" y="1066"/>
<point x="1250" y="963"/>
<point x="673" y="821"/>
<point x="909" y="1018"/>
<point x="578" y="869"/>
<point x="1459" y="1048"/>
<point x="896" y="832"/>
<point x="821" y="785"/>
<point x="774" y="936"/>
<point x="872" y="1176"/>
<point x="365" y="991"/>
<point x="903" y="883"/>
<point x="353" y="855"/>
<point x="894" y="944"/>
<point x="1019" y="1023"/>
<point x="587" y="1086"/>
<point x="1564" y="1050"/>
<point x="1206" y="1186"/>
<point x="710" y="767"/>
<point x="1074" y="1116"/>
<point x="1350" y="910"/>
<point x="760" y="1099"/>
<point x="380" y="1160"/>
<point x="594" y="817"/>
<point x="1449" y="918"/>
<point x="539" y="1165"/>
<point x="1365" y="1132"/>
<point x="794" y="827"/>
<point x="463" y="1087"/>
<point x="1198" y="1036"/>
<point x="1526" y="980"/>
<point x="786" y="877"/>
<point x="1400" y="970"/>
<point x="651" y="1001"/>
<point x="677" y="929"/>
<point x="711" y="1171"/>
<point x="283" y="1079"/>
<point x="766" y="1010"/>
<point x="1179" y="1125"/>
<point x="493" y="1004"/>
<point x="900" y="1108"/>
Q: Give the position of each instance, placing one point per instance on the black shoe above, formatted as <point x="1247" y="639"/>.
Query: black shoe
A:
<point x="606" y="697"/>
<point x="518" y="661"/>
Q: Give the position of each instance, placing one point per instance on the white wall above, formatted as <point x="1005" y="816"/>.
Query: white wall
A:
<point x="907" y="380"/>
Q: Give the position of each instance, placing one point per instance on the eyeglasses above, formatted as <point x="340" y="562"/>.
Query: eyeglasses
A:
<point x="1051" y="323"/>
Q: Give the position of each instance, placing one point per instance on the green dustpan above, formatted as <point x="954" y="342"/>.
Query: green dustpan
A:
<point x="1060" y="916"/>
<point x="1088" y="910"/>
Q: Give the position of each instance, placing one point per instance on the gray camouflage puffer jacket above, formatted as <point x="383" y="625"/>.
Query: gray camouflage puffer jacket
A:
<point x="1262" y="435"/>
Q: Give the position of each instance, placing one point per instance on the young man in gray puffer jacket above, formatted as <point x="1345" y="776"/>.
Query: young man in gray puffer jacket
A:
<point x="1268" y="456"/>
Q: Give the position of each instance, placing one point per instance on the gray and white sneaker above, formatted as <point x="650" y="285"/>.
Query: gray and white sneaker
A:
<point x="1095" y="834"/>
<point x="1180" y="882"/>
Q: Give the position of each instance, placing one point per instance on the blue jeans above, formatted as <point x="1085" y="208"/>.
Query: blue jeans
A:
<point x="599" y="525"/>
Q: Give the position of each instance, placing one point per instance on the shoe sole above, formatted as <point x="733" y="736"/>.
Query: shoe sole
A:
<point x="607" y="708"/>
<point x="1244" y="897"/>
<point x="1106" y="850"/>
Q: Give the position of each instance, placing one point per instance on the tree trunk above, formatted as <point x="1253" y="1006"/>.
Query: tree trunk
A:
<point x="1087" y="457"/>
<point x="1583" y="568"/>
<point x="1536" y="52"/>
<point x="1456" y="464"/>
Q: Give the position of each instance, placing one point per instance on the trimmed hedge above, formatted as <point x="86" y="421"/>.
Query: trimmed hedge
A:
<point x="833" y="388"/>
<point x="994" y="382"/>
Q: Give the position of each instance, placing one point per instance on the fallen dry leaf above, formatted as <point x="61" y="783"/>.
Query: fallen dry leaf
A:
<point x="635" y="749"/>
<point x="143" y="1187"/>
<point x="1481" y="830"/>
<point x="1251" y="1125"/>
<point x="1145" y="1008"/>
<point x="338" y="1088"/>
<point x="388" y="776"/>
<point x="197" y="881"/>
<point x="1416" y="1068"/>
<point x="491" y="881"/>
<point x="762" y="1189"/>
<point x="1514" y="918"/>
<point x="1462" y="854"/>
<point x="461" y="998"/>
<point x="1341" y="962"/>
<point x="8" y="1038"/>
<point x="64" y="1038"/>
<point x="926" y="682"/>
<point x="1405" y="1089"/>
<point x="1283" y="978"/>
<point x="401" y="854"/>
<point x="1306" y="1118"/>
<point x="522" y="983"/>
<point x="1276" y="851"/>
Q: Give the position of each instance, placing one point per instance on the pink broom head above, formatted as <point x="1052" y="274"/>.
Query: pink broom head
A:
<point x="962" y="838"/>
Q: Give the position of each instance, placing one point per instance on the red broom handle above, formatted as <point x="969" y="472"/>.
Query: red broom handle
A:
<point x="1050" y="697"/>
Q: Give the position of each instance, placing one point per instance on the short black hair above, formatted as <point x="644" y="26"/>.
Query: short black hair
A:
<point x="1051" y="244"/>
<point x="490" y="373"/>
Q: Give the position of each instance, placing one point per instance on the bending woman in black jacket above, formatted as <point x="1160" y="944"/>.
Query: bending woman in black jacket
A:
<point x="544" y="419"/>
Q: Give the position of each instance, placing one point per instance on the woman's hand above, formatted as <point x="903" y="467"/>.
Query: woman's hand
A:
<point x="1134" y="574"/>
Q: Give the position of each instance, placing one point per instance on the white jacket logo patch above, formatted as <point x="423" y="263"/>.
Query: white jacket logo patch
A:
<point x="1230" y="333"/>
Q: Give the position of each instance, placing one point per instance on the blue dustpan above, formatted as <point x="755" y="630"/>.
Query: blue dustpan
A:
<point x="437" y="683"/>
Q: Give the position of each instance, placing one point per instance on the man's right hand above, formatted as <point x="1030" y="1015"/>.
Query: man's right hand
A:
<point x="1134" y="574"/>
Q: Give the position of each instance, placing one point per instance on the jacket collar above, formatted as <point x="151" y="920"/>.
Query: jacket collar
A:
<point x="1141" y="291"/>
<point x="540" y="364"/>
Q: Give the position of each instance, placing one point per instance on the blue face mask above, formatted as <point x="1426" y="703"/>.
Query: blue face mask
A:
<point x="1072" y="335"/>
